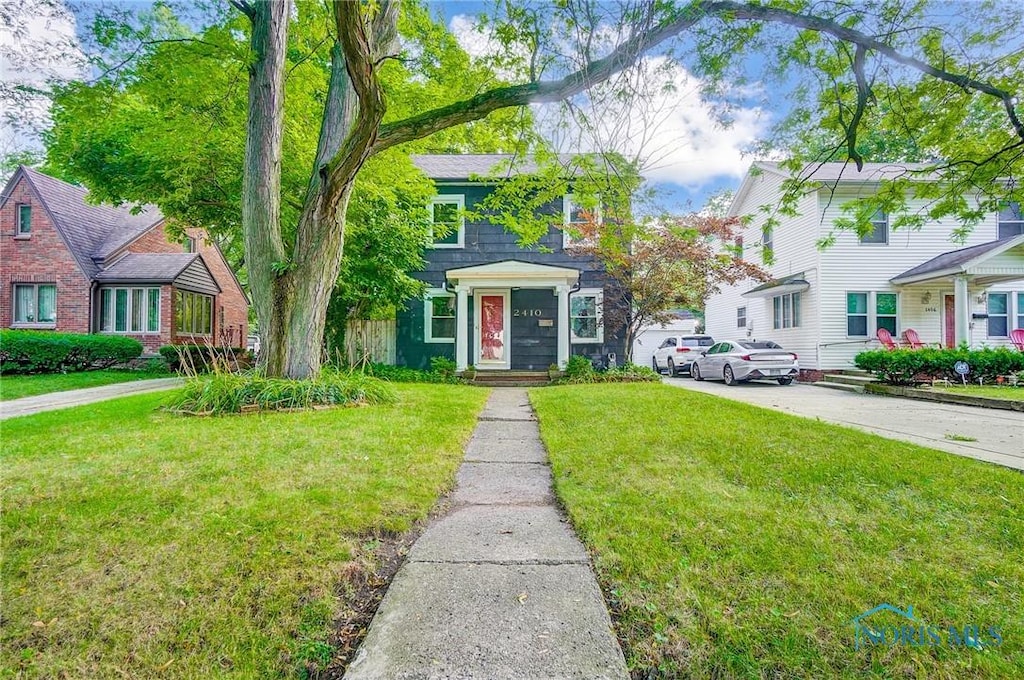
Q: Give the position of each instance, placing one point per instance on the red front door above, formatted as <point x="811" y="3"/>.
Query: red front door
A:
<point x="950" y="320"/>
<point x="493" y="331"/>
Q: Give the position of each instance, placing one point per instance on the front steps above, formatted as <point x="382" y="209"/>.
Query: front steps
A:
<point x="847" y="381"/>
<point x="511" y="378"/>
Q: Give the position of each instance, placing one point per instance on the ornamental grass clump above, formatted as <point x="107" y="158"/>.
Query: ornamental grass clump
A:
<point x="222" y="393"/>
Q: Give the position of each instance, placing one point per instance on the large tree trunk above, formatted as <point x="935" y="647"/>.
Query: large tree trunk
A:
<point x="261" y="189"/>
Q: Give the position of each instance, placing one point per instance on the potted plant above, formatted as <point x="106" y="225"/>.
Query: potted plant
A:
<point x="554" y="372"/>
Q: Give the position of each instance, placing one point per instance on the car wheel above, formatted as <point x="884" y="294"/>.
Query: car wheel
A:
<point x="730" y="379"/>
<point x="785" y="381"/>
<point x="671" y="368"/>
<point x="695" y="372"/>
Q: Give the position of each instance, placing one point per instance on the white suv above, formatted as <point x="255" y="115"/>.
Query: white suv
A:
<point x="677" y="353"/>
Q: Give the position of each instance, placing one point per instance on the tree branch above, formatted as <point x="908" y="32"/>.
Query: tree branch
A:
<point x="600" y="70"/>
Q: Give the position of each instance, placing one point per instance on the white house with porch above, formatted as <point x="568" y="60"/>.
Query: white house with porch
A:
<point x="828" y="304"/>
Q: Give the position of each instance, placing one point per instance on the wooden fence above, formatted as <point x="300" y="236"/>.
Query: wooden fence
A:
<point x="370" y="340"/>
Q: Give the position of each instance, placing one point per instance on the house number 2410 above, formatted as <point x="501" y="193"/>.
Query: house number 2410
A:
<point x="527" y="312"/>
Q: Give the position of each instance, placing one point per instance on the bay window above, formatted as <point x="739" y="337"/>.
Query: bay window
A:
<point x="193" y="313"/>
<point x="130" y="310"/>
<point x="786" y="311"/>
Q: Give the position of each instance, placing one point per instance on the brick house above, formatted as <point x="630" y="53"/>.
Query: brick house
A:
<point x="75" y="267"/>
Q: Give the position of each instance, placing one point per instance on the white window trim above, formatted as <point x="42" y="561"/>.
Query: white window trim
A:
<point x="872" y="312"/>
<point x="458" y="200"/>
<point x="888" y="231"/>
<point x="18" y="224"/>
<point x="1010" y="312"/>
<point x="866" y="314"/>
<point x="1018" y="310"/>
<point x="567" y="204"/>
<point x="598" y="294"/>
<point x="1001" y="220"/>
<point x="35" y="302"/>
<point x="428" y="317"/>
<point x="768" y="238"/>
<point x="128" y="319"/>
<point x="744" y="315"/>
<point x="794" y="321"/>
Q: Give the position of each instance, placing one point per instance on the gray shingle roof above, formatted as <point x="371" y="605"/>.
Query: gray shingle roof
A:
<point x="91" y="231"/>
<point x="954" y="259"/>
<point x="847" y="172"/>
<point x="151" y="267"/>
<point x="463" y="166"/>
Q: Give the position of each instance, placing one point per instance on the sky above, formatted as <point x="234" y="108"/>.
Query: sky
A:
<point x="686" y="153"/>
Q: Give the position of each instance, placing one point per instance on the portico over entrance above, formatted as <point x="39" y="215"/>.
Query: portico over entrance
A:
<point x="519" y="318"/>
<point x="965" y="276"/>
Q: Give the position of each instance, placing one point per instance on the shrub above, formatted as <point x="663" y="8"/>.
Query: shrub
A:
<point x="203" y="358"/>
<point x="444" y="367"/>
<point x="911" y="366"/>
<point x="221" y="393"/>
<point x="404" y="374"/>
<point x="578" y="368"/>
<point x="625" y="373"/>
<point x="46" y="352"/>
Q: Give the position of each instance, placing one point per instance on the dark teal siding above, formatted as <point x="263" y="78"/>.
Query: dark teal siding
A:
<point x="533" y="346"/>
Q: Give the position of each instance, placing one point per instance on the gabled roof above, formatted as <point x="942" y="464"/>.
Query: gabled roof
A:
<point x="91" y="232"/>
<point x="825" y="173"/>
<point x="957" y="261"/>
<point x="454" y="167"/>
<point x="150" y="267"/>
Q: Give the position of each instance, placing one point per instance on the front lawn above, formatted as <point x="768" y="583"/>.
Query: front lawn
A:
<point x="989" y="391"/>
<point x="140" y="544"/>
<point x="18" y="386"/>
<point x="735" y="541"/>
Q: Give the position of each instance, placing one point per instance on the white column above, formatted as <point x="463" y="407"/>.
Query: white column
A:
<point x="563" y="325"/>
<point x="962" y="309"/>
<point x="461" y="327"/>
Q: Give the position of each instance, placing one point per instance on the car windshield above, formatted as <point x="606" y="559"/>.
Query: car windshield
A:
<point x="763" y="344"/>
<point x="698" y="342"/>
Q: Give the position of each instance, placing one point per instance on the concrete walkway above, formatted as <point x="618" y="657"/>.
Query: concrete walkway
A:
<point x="998" y="436"/>
<point x="500" y="587"/>
<point x="26" y="406"/>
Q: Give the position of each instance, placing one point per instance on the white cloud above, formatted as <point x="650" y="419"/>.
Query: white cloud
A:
<point x="663" y="123"/>
<point x="38" y="46"/>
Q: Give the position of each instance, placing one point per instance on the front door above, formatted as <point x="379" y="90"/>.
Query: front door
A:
<point x="492" y="329"/>
<point x="949" y="320"/>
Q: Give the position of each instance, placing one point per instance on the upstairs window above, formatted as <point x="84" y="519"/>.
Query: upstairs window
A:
<point x="738" y="246"/>
<point x="448" y="222"/>
<point x="741" y="317"/>
<point x="585" y="316"/>
<point x="35" y="305"/>
<point x="575" y="219"/>
<point x="998" y="315"/>
<point x="1011" y="221"/>
<point x="768" y="238"/>
<point x="24" y="219"/>
<point x="439" y="316"/>
<point x="879" y="230"/>
<point x="190" y="245"/>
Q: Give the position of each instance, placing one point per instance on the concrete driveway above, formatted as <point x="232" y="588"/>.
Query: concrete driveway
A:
<point x="998" y="435"/>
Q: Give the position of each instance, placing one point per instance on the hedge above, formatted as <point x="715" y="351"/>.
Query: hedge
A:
<point x="910" y="366"/>
<point x="46" y="352"/>
<point x="202" y="358"/>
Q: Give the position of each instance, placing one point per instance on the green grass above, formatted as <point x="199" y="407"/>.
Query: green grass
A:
<point x="992" y="392"/>
<point x="141" y="544"/>
<point x="741" y="542"/>
<point x="18" y="386"/>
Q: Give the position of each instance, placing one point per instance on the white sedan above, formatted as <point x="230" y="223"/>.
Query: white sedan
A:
<point x="742" y="360"/>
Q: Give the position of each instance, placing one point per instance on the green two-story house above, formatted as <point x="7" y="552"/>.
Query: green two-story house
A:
<point x="491" y="303"/>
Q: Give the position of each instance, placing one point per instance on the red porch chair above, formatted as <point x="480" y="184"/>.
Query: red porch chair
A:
<point x="885" y="337"/>
<point x="1017" y="338"/>
<point x="912" y="340"/>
